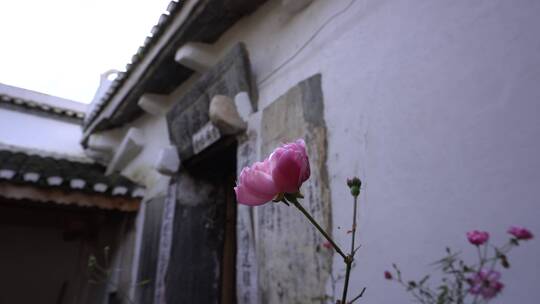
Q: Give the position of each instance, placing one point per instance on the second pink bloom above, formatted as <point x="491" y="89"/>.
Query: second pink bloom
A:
<point x="290" y="166"/>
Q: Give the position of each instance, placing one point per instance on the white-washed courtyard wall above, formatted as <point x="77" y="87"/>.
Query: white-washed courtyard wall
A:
<point x="435" y="106"/>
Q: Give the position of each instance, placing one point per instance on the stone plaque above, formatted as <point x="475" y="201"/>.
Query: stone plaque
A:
<point x="229" y="77"/>
<point x="292" y="267"/>
<point x="206" y="136"/>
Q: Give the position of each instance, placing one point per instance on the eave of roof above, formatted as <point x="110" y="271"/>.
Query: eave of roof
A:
<point x="153" y="68"/>
<point x="67" y="176"/>
<point x="143" y="53"/>
<point x="74" y="198"/>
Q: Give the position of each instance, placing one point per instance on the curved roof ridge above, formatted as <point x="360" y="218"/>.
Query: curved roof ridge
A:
<point x="42" y="98"/>
<point x="45" y="153"/>
<point x="40" y="103"/>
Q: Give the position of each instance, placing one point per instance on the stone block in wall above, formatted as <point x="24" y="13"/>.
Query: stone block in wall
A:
<point x="230" y="76"/>
<point x="292" y="267"/>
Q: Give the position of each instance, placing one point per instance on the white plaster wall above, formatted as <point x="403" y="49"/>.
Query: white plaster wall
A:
<point x="39" y="132"/>
<point x="156" y="137"/>
<point x="141" y="169"/>
<point x="435" y="104"/>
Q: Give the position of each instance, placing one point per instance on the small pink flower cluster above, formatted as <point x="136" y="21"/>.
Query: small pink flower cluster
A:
<point x="478" y="238"/>
<point x="486" y="284"/>
<point x="283" y="171"/>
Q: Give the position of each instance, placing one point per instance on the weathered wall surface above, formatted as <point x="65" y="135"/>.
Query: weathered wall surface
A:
<point x="434" y="105"/>
<point x="294" y="267"/>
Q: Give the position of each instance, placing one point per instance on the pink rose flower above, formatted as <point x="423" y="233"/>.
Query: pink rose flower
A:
<point x="290" y="166"/>
<point x="486" y="284"/>
<point x="477" y="237"/>
<point x="520" y="233"/>
<point x="283" y="172"/>
<point x="255" y="185"/>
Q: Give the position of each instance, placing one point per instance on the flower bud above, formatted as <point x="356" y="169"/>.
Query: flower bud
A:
<point x="354" y="184"/>
<point x="355" y="181"/>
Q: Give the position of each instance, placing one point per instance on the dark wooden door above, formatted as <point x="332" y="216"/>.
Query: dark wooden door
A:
<point x="201" y="266"/>
<point x="228" y="278"/>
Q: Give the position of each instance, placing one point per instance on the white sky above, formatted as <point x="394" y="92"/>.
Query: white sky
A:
<point x="60" y="47"/>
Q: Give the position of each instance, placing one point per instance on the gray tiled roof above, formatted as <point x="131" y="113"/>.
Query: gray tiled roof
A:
<point x="54" y="171"/>
<point x="156" y="31"/>
<point x="40" y="103"/>
<point x="153" y="68"/>
<point x="30" y="105"/>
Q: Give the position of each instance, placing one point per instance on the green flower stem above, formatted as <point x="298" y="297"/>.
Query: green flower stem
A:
<point x="349" y="260"/>
<point x="354" y="226"/>
<point x="295" y="202"/>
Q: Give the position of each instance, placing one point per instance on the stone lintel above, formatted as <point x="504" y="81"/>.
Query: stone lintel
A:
<point x="198" y="57"/>
<point x="153" y="104"/>
<point x="189" y="117"/>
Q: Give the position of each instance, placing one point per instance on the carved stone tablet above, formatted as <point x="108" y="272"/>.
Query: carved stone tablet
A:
<point x="292" y="267"/>
<point x="230" y="76"/>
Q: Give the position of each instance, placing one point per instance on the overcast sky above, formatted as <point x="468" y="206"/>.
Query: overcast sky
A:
<point x="60" y="47"/>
